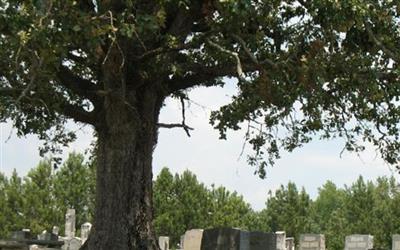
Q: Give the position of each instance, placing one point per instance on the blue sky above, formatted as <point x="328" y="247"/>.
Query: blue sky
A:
<point x="217" y="161"/>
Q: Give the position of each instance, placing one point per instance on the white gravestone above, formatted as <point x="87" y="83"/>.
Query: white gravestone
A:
<point x="280" y="240"/>
<point x="396" y="242"/>
<point x="359" y="242"/>
<point x="192" y="239"/>
<point x="312" y="242"/>
<point x="85" y="230"/>
<point x="70" y="223"/>
<point x="163" y="242"/>
<point x="289" y="243"/>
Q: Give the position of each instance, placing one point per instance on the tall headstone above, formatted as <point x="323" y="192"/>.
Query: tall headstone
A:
<point x="290" y="243"/>
<point x="56" y="230"/>
<point x="396" y="242"/>
<point x="280" y="240"/>
<point x="359" y="242"/>
<point x="223" y="239"/>
<point x="163" y="242"/>
<point x="85" y="230"/>
<point x="312" y="242"/>
<point x="70" y="223"/>
<point x="262" y="241"/>
<point x="192" y="239"/>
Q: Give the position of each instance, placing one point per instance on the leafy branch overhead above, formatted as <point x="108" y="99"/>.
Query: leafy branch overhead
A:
<point x="305" y="69"/>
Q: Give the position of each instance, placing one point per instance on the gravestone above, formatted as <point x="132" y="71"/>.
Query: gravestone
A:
<point x="72" y="244"/>
<point x="192" y="239"/>
<point x="56" y="230"/>
<point x="290" y="243"/>
<point x="280" y="240"/>
<point x="262" y="241"/>
<point x="359" y="242"/>
<point x="236" y="239"/>
<point x="312" y="242"/>
<point x="224" y="239"/>
<point x="24" y="234"/>
<point x="163" y="242"/>
<point x="85" y="230"/>
<point x="47" y="236"/>
<point x="70" y="223"/>
<point x="396" y="242"/>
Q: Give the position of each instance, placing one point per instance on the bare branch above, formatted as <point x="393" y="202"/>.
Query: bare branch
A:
<point x="233" y="54"/>
<point x="176" y="125"/>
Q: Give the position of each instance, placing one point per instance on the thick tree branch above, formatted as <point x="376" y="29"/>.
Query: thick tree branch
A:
<point x="77" y="113"/>
<point x="379" y="43"/>
<point x="77" y="85"/>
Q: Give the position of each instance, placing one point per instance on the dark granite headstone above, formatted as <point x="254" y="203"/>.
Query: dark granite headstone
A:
<point x="221" y="239"/>
<point x="262" y="241"/>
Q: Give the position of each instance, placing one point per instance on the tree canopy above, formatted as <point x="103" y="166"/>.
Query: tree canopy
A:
<point x="304" y="68"/>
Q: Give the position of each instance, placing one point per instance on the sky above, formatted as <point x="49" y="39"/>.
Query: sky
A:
<point x="216" y="161"/>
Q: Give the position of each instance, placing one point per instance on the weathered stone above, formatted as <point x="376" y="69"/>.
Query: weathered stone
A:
<point x="192" y="239"/>
<point x="163" y="242"/>
<point x="25" y="234"/>
<point x="47" y="236"/>
<point x="312" y="242"/>
<point x="56" y="230"/>
<point x="359" y="242"/>
<point x="70" y="223"/>
<point x="85" y="231"/>
<point x="71" y="244"/>
<point x="280" y="240"/>
<point x="290" y="243"/>
<point x="396" y="242"/>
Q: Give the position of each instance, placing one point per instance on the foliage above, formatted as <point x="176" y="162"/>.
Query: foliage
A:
<point x="181" y="202"/>
<point x="39" y="201"/>
<point x="74" y="187"/>
<point x="333" y="63"/>
<point x="288" y="210"/>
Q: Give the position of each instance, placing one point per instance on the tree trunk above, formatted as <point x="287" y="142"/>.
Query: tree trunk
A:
<point x="126" y="140"/>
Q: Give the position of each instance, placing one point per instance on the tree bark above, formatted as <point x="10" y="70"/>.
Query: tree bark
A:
<point x="126" y="140"/>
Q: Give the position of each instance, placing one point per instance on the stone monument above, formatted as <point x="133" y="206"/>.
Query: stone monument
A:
<point x="290" y="243"/>
<point x="280" y="240"/>
<point x="70" y="219"/>
<point x="163" y="242"/>
<point x="192" y="239"/>
<point x="396" y="242"/>
<point x="359" y="242"/>
<point x="85" y="230"/>
<point x="312" y="242"/>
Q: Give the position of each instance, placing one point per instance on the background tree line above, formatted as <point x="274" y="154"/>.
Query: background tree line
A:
<point x="39" y="201"/>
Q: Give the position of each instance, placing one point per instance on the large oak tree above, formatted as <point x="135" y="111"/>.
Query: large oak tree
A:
<point x="304" y="69"/>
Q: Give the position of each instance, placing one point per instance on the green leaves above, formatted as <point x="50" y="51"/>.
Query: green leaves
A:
<point x="39" y="201"/>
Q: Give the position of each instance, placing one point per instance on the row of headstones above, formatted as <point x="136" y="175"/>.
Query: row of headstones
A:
<point x="230" y="239"/>
<point x="236" y="239"/>
<point x="352" y="242"/>
<point x="68" y="242"/>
